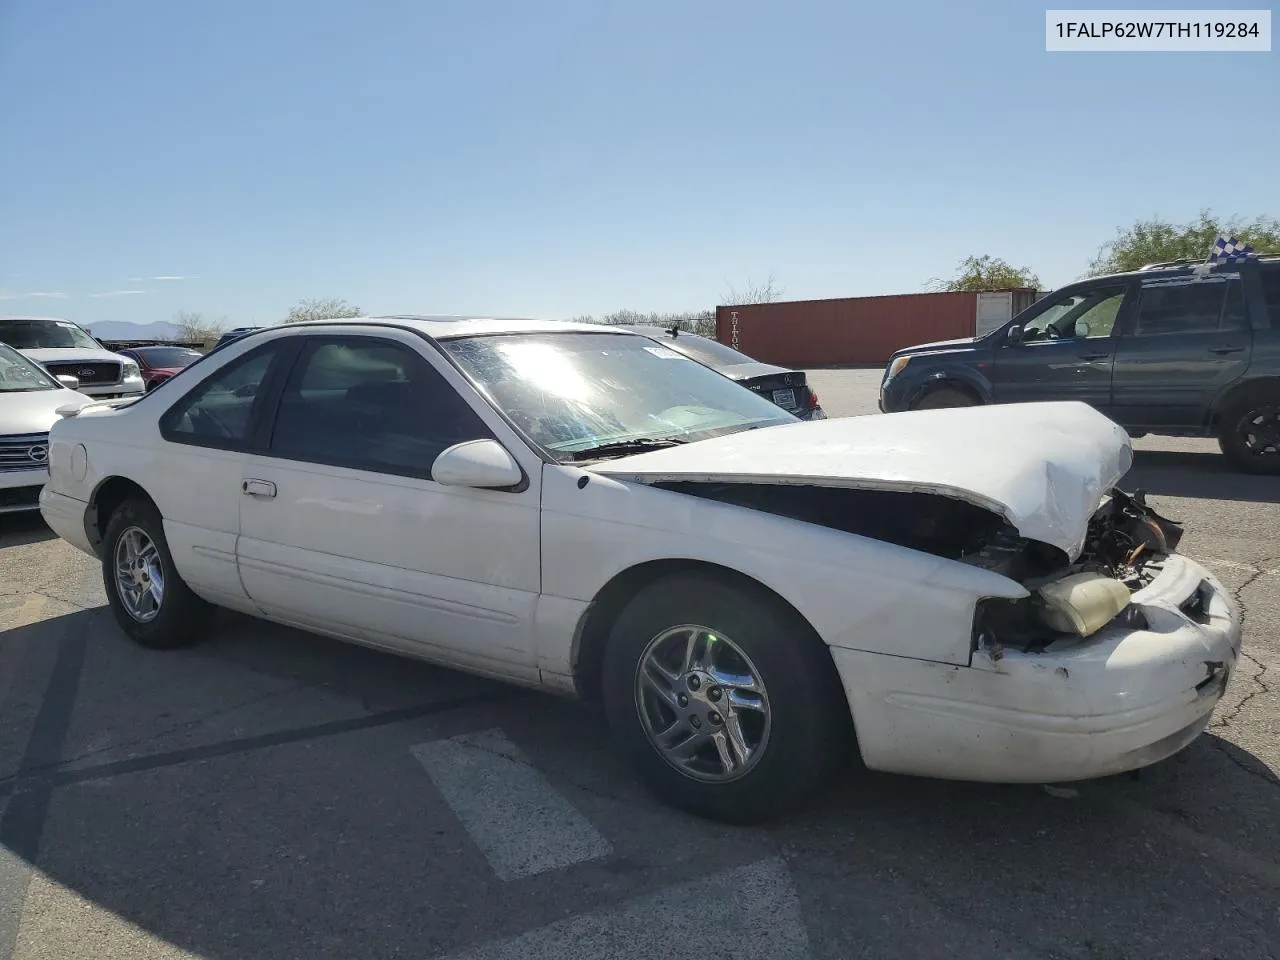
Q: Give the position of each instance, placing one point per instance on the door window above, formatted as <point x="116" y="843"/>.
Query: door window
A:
<point x="1190" y="307"/>
<point x="1270" y="273"/>
<point x="370" y="404"/>
<point x="1085" y="314"/>
<point x="219" y="412"/>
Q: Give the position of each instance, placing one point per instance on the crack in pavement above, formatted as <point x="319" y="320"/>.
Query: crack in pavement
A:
<point x="1260" y="684"/>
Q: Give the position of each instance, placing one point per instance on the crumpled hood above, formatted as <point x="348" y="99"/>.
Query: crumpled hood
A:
<point x="1042" y="466"/>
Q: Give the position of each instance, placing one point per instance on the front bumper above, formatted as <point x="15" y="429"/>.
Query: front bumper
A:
<point x="19" y="489"/>
<point x="1118" y="701"/>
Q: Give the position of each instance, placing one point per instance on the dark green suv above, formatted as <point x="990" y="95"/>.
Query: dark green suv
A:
<point x="1181" y="349"/>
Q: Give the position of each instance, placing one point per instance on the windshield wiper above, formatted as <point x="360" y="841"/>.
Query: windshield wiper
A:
<point x="623" y="447"/>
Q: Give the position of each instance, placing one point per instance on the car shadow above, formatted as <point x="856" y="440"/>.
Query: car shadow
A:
<point x="21" y="529"/>
<point x="257" y="845"/>
<point x="1198" y="475"/>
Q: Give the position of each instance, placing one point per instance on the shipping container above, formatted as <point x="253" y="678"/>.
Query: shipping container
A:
<point x="861" y="330"/>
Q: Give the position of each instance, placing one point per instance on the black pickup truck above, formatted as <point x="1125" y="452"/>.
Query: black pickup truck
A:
<point x="1180" y="349"/>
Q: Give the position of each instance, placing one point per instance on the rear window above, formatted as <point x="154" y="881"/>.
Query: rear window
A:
<point x="710" y="352"/>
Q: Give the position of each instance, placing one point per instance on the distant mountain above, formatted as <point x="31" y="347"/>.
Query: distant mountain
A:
<point x="123" y="330"/>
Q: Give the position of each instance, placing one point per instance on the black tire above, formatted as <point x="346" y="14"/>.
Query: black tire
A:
<point x="810" y="727"/>
<point x="941" y="397"/>
<point x="182" y="618"/>
<point x="1262" y="402"/>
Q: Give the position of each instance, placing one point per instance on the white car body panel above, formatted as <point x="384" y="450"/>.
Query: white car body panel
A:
<point x="499" y="582"/>
<point x="857" y="593"/>
<point x="1047" y="483"/>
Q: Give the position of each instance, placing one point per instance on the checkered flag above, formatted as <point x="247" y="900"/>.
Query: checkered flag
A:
<point x="1232" y="249"/>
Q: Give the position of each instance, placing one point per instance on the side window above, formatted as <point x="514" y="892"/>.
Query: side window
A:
<point x="220" y="410"/>
<point x="1090" y="313"/>
<point x="371" y="405"/>
<point x="1190" y="307"/>
<point x="1270" y="274"/>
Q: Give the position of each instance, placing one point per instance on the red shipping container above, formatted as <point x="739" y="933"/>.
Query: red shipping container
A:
<point x="854" y="330"/>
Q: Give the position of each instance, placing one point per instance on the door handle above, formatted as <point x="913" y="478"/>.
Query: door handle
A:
<point x="1222" y="351"/>
<point x="1094" y="356"/>
<point x="258" y="488"/>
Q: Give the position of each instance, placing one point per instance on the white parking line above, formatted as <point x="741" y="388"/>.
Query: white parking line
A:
<point x="517" y="819"/>
<point x="748" y="913"/>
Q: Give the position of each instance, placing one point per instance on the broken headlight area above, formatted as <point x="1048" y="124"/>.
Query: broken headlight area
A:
<point x="1125" y="548"/>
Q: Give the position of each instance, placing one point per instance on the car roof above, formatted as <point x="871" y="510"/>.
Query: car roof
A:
<point x="448" y="327"/>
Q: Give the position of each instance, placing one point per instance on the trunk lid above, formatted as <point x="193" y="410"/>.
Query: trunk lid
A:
<point x="1044" y="467"/>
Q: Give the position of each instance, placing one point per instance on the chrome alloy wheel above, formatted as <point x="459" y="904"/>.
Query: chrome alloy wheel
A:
<point x="702" y="703"/>
<point x="139" y="575"/>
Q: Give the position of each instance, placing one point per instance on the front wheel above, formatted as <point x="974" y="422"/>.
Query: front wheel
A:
<point x="149" y="600"/>
<point x="1249" y="432"/>
<point x="728" y="704"/>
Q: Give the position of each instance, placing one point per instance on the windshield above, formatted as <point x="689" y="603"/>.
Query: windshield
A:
<point x="166" y="357"/>
<point x="20" y="375"/>
<point x="574" y="391"/>
<point x="37" y="334"/>
<point x="711" y="352"/>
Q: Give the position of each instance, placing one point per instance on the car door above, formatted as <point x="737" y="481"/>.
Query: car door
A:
<point x="344" y="531"/>
<point x="1187" y="338"/>
<point x="194" y="475"/>
<point x="1065" y="351"/>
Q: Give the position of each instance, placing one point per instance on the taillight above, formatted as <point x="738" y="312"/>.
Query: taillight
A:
<point x="813" y="397"/>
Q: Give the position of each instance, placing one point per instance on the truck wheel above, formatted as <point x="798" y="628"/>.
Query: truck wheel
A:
<point x="727" y="704"/>
<point x="940" y="397"/>
<point x="149" y="600"/>
<point x="1249" y="431"/>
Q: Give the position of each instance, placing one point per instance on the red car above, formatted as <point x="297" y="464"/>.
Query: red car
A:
<point x="159" y="363"/>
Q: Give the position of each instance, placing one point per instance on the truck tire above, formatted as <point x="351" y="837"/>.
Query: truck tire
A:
<point x="940" y="397"/>
<point x="1249" y="430"/>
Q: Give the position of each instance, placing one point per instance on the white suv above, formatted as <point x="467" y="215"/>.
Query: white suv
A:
<point x="65" y="349"/>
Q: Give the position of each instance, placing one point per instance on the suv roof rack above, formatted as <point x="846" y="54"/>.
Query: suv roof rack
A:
<point x="1192" y="261"/>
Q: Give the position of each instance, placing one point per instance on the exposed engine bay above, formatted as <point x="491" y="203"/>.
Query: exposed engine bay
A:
<point x="1123" y="550"/>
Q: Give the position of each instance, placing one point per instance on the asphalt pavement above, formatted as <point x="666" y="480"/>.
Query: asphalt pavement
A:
<point x="274" y="794"/>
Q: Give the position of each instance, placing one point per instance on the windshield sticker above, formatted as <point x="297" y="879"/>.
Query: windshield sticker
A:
<point x="666" y="353"/>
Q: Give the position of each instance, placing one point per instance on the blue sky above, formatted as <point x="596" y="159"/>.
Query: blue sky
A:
<point x="560" y="158"/>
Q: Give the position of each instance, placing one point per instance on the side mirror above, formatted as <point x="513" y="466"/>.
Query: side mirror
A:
<point x="1014" y="335"/>
<point x="1082" y="329"/>
<point x="484" y="464"/>
<point x="68" y="410"/>
<point x="71" y="383"/>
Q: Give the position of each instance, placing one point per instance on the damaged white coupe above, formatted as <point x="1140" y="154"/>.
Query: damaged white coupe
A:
<point x="750" y="599"/>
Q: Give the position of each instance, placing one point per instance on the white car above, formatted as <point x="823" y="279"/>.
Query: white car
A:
<point x="65" y="349"/>
<point x="30" y="399"/>
<point x="586" y="511"/>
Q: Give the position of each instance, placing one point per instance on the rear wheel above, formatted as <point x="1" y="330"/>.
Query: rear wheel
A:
<point x="149" y="600"/>
<point x="940" y="397"/>
<point x="727" y="704"/>
<point x="1249" y="431"/>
